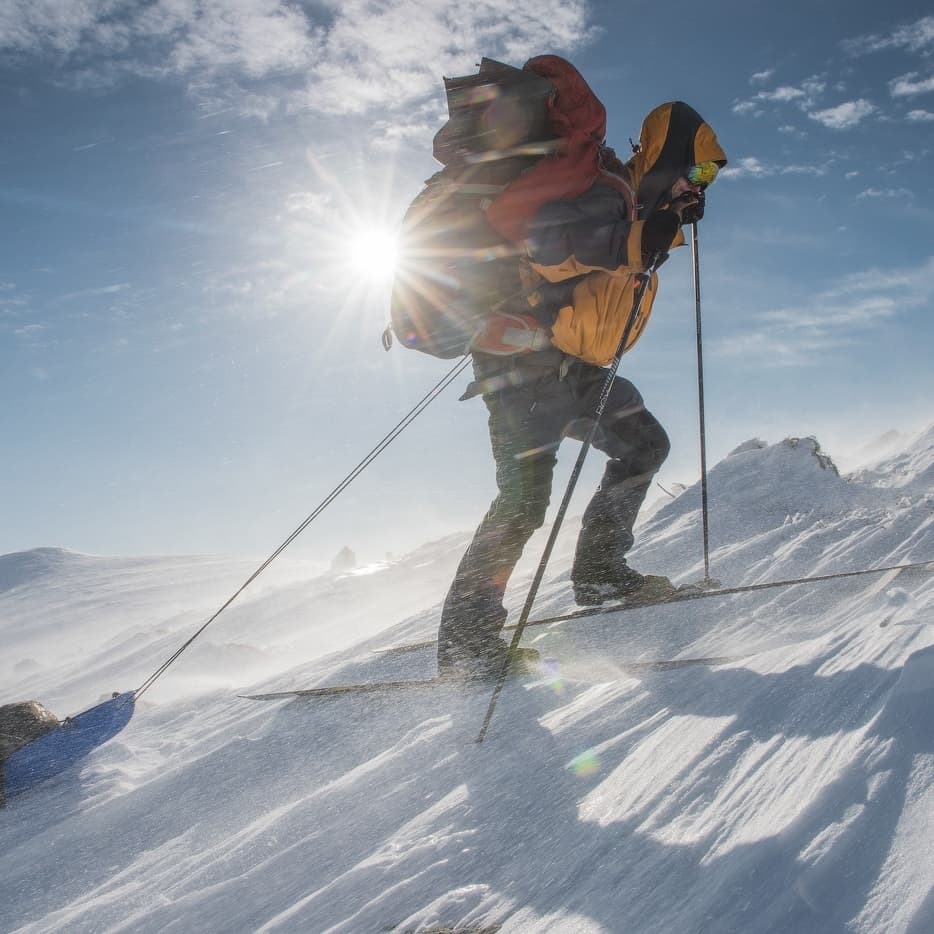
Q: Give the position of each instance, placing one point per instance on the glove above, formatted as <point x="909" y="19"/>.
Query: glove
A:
<point x="657" y="233"/>
<point x="693" y="206"/>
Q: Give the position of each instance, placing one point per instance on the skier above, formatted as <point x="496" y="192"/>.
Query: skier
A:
<point x="585" y="254"/>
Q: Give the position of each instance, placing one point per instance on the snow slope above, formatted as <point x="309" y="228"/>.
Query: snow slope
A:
<point x="790" y="789"/>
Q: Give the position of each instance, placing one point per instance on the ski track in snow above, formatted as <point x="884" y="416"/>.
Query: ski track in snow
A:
<point x="789" y="790"/>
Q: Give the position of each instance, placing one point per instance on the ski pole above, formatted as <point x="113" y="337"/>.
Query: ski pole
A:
<point x="566" y="501"/>
<point x="700" y="405"/>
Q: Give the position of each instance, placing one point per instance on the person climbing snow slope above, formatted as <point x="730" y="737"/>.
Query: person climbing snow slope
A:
<point x="588" y="227"/>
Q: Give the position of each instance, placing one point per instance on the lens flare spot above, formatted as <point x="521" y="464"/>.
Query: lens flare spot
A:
<point x="551" y="670"/>
<point x="587" y="763"/>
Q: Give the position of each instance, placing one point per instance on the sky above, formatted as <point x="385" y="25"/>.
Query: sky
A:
<point x="195" y="197"/>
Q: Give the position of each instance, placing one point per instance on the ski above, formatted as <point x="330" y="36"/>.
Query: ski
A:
<point x="683" y="595"/>
<point x="674" y="663"/>
<point x="365" y="687"/>
<point x="382" y="687"/>
<point x="679" y="596"/>
<point x="693" y="592"/>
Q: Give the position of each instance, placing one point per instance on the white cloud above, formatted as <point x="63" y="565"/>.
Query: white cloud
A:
<point x="390" y="136"/>
<point x="816" y="170"/>
<point x="747" y="167"/>
<point x="252" y="37"/>
<point x="752" y="167"/>
<point x="914" y="37"/>
<point x="813" y="87"/>
<point x="803" y="95"/>
<point x="909" y="85"/>
<point x="783" y="93"/>
<point x="349" y="56"/>
<point x="844" y="116"/>
<point x="761" y="76"/>
<point x="61" y="25"/>
<point x="919" y="116"/>
<point x="891" y="193"/>
<point x="373" y="57"/>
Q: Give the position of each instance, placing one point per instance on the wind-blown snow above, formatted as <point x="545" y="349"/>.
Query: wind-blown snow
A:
<point x="790" y="789"/>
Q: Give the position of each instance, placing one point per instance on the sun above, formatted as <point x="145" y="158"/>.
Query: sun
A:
<point x="373" y="251"/>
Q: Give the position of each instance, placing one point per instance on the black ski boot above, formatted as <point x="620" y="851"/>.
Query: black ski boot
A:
<point x="461" y="666"/>
<point x="627" y="586"/>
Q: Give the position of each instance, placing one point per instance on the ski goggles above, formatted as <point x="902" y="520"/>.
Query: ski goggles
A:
<point x="702" y="174"/>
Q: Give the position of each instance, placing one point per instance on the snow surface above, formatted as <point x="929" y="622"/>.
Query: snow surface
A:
<point x="790" y="789"/>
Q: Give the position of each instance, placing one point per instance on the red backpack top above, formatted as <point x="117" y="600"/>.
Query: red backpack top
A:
<point x="576" y="117"/>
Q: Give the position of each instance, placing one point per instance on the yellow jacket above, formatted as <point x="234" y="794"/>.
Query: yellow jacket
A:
<point x="592" y="245"/>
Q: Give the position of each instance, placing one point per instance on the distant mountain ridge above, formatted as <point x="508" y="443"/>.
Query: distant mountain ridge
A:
<point x="21" y="567"/>
<point x="761" y="483"/>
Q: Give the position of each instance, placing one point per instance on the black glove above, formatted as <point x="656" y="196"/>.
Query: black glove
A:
<point x="693" y="209"/>
<point x="657" y="234"/>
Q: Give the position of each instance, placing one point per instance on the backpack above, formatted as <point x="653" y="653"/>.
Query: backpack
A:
<point x="454" y="267"/>
<point x="514" y="140"/>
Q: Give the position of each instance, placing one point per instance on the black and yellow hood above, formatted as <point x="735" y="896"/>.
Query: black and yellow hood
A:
<point x="674" y="137"/>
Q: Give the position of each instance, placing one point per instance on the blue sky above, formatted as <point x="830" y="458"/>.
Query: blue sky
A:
<point x="190" y="311"/>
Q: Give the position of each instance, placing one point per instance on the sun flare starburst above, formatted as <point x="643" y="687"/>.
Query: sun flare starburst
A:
<point x="372" y="252"/>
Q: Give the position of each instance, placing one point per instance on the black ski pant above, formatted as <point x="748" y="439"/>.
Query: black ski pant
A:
<point x="533" y="404"/>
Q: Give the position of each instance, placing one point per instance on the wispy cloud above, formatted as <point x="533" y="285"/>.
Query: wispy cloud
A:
<point x="309" y="204"/>
<point x="783" y="93"/>
<point x="911" y="84"/>
<point x="919" y="116"/>
<point x="847" y="313"/>
<point x="340" y="58"/>
<point x="745" y="108"/>
<point x="892" y="193"/>
<point x="914" y="37"/>
<point x="844" y="116"/>
<point x="14" y="306"/>
<point x="760" y="76"/>
<point x="95" y="292"/>
<point x="804" y="96"/>
<point x="797" y="169"/>
<point x="30" y="332"/>
<point x="753" y="167"/>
